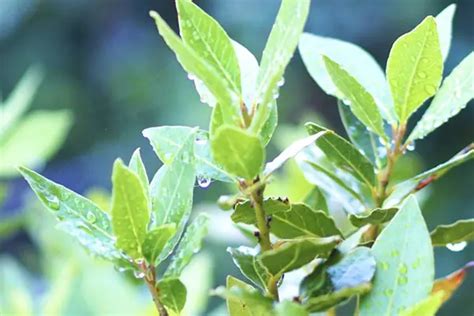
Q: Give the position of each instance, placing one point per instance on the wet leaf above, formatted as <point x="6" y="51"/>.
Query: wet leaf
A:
<point x="237" y="306"/>
<point x="459" y="231"/>
<point x="137" y="166"/>
<point x="444" y="23"/>
<point x="155" y="241"/>
<point x="375" y="216"/>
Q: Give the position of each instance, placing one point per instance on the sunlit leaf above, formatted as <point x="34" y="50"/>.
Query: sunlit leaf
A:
<point x="459" y="231"/>
<point x="444" y="23"/>
<point x="449" y="284"/>
<point x="137" y="166"/>
<point x="427" y="307"/>
<point x="172" y="294"/>
<point x="155" y="241"/>
<point x="405" y="264"/>
<point x="237" y="306"/>
<point x="414" y="68"/>
<point x="375" y="216"/>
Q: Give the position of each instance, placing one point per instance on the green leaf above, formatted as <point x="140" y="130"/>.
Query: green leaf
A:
<point x="360" y="64"/>
<point x="172" y="193"/>
<point x="245" y="259"/>
<point x="15" y="297"/>
<point x="375" y="216"/>
<point x="444" y="23"/>
<point x="344" y="154"/>
<point x="414" y="68"/>
<point x="295" y="253"/>
<point x="249" y="68"/>
<point x="239" y="152"/>
<point x="20" y="99"/>
<point x="11" y="224"/>
<point x="200" y="68"/>
<point x="172" y="294"/>
<point x="459" y="231"/>
<point x="41" y="133"/>
<point x="245" y="213"/>
<point x="450" y="283"/>
<point x="130" y="213"/>
<point x="189" y="244"/>
<point x="453" y="96"/>
<point x="427" y="307"/>
<point x="278" y="51"/>
<point x="137" y="166"/>
<point x="301" y="221"/>
<point x="417" y="183"/>
<point x="316" y="200"/>
<point x="286" y="308"/>
<point x="209" y="41"/>
<point x="323" y="302"/>
<point x="361" y="103"/>
<point x="244" y="298"/>
<point x="155" y="241"/>
<point x="405" y="263"/>
<point x="79" y="216"/>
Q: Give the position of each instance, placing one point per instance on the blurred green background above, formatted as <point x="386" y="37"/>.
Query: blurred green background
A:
<point x="105" y="62"/>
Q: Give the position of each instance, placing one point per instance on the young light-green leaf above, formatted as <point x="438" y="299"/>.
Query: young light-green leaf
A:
<point x="172" y="294"/>
<point x="286" y="308"/>
<point x="459" y="231"/>
<point x="85" y="221"/>
<point x="427" y="307"/>
<point x="238" y="306"/>
<point x="356" y="97"/>
<point x="444" y="23"/>
<point x="245" y="213"/>
<point x="130" y="213"/>
<point x="359" y="63"/>
<point x="301" y="221"/>
<point x="405" y="264"/>
<point x="136" y="165"/>
<point x="455" y="92"/>
<point x="239" y="152"/>
<point x="375" y="216"/>
<point x="414" y="68"/>
<point x="155" y="241"/>
<point x="189" y="244"/>
<point x="245" y="259"/>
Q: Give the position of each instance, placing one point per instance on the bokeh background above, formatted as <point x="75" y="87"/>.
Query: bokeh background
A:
<point x="105" y="61"/>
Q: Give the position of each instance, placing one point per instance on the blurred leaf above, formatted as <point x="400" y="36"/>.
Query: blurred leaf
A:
<point x="278" y="51"/>
<point x="301" y="220"/>
<point x="249" y="68"/>
<point x="361" y="103"/>
<point x="198" y="67"/>
<point x="414" y="68"/>
<point x="15" y="298"/>
<point x="459" y="231"/>
<point x="137" y="166"/>
<point x="189" y="245"/>
<point x="20" y="99"/>
<point x="316" y="200"/>
<point x="79" y="217"/>
<point x="41" y="133"/>
<point x="453" y="96"/>
<point x="237" y="306"/>
<point x="245" y="259"/>
<point x="449" y="284"/>
<point x="286" y="308"/>
<point x="444" y="23"/>
<point x="360" y="64"/>
<point x="55" y="300"/>
<point x="172" y="294"/>
<point x="100" y="197"/>
<point x="238" y="151"/>
<point x="155" y="241"/>
<point x="245" y="213"/>
<point x="172" y="193"/>
<point x="323" y="302"/>
<point x="344" y="154"/>
<point x="295" y="253"/>
<point x="405" y="263"/>
<point x="426" y="307"/>
<point x="11" y="224"/>
<point x="130" y="213"/>
<point x="375" y="216"/>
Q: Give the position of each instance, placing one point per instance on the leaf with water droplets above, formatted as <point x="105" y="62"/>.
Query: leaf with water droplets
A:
<point x="405" y="264"/>
<point x="155" y="241"/>
<point x="238" y="151"/>
<point x="360" y="64"/>
<point x="361" y="102"/>
<point x="171" y="191"/>
<point x="459" y="231"/>
<point x="375" y="216"/>
<point x="449" y="284"/>
<point x="245" y="259"/>
<point x="414" y="68"/>
<point x="427" y="307"/>
<point x="444" y="23"/>
<point x="453" y="96"/>
<point x="172" y="294"/>
<point x="73" y="209"/>
<point x="130" y="213"/>
<point x="136" y="165"/>
<point x="245" y="213"/>
<point x="189" y="245"/>
<point x="278" y="51"/>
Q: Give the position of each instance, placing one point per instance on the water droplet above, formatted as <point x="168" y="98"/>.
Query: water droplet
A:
<point x="191" y="77"/>
<point x="430" y="89"/>
<point x="281" y="82"/>
<point x="201" y="140"/>
<point x="402" y="280"/>
<point x="421" y="74"/>
<point x="139" y="261"/>
<point x="411" y="146"/>
<point x="416" y="264"/>
<point x="403" y="268"/>
<point x="394" y="253"/>
<point x="457" y="246"/>
<point x="388" y="292"/>
<point x="384" y="265"/>
<point x="139" y="274"/>
<point x="203" y="182"/>
<point x="91" y="217"/>
<point x="51" y="201"/>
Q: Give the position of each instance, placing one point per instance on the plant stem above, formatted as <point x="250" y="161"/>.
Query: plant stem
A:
<point x="150" y="280"/>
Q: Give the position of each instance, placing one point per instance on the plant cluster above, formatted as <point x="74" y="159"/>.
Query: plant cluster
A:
<point x="385" y="257"/>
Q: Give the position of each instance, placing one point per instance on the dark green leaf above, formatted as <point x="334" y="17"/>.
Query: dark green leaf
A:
<point x="323" y="302"/>
<point x="375" y="216"/>
<point x="245" y="259"/>
<point x="245" y="213"/>
<point x="316" y="200"/>
<point x="172" y="294"/>
<point x="459" y="231"/>
<point x="239" y="152"/>
<point x="155" y="241"/>
<point x="189" y="245"/>
<point x="405" y="264"/>
<point x="130" y="213"/>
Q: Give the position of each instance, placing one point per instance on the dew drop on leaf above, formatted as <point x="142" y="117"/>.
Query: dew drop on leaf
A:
<point x="388" y="292"/>
<point x="203" y="182"/>
<point x="91" y="217"/>
<point x="139" y="274"/>
<point x="402" y="280"/>
<point x="421" y="74"/>
<point x="457" y="246"/>
<point x="384" y="265"/>
<point x="403" y="268"/>
<point x="430" y="89"/>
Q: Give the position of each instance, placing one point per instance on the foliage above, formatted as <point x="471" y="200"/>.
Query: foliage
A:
<point x="374" y="259"/>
